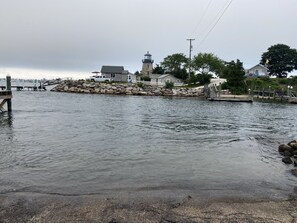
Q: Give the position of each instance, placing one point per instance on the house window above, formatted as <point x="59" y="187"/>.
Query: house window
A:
<point x="257" y="72"/>
<point x="112" y="75"/>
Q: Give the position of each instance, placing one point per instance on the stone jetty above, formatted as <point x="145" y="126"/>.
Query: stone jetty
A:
<point x="125" y="89"/>
<point x="289" y="151"/>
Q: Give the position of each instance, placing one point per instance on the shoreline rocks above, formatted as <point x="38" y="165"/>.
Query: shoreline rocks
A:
<point x="124" y="89"/>
<point x="289" y="151"/>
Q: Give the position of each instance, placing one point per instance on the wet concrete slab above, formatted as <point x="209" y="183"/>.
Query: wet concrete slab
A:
<point x="22" y="207"/>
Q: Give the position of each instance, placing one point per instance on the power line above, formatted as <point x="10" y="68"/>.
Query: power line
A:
<point x="215" y="24"/>
<point x="207" y="28"/>
<point x="200" y="20"/>
<point x="202" y="17"/>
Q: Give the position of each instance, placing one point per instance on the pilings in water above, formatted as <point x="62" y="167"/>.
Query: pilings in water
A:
<point x="6" y="96"/>
<point x="216" y="95"/>
<point x="8" y="83"/>
<point x="274" y="95"/>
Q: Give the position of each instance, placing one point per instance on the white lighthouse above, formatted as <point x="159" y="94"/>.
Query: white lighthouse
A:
<point x="147" y="64"/>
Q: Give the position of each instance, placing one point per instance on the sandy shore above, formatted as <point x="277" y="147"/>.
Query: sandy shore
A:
<point x="24" y="207"/>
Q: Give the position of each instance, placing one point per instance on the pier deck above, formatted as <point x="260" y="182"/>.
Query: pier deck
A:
<point x="22" y="84"/>
<point x="232" y="98"/>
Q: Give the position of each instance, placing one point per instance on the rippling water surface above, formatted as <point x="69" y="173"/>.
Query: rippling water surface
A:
<point x="100" y="144"/>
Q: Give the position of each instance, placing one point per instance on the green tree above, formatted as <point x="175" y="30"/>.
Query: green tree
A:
<point x="203" y="78"/>
<point x="280" y="60"/>
<point x="193" y="79"/>
<point x="208" y="63"/>
<point x="176" y="64"/>
<point x="234" y="73"/>
<point x="169" y="85"/>
<point x="158" y="70"/>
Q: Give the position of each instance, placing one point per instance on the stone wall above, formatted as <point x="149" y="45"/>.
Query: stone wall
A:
<point x="124" y="89"/>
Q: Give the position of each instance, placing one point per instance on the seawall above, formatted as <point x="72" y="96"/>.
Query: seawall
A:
<point x="124" y="89"/>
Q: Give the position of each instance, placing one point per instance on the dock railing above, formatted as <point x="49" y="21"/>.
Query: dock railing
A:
<point x="273" y="94"/>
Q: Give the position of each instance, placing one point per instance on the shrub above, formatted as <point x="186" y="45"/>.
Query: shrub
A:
<point x="145" y="78"/>
<point x="169" y="85"/>
<point x="140" y="84"/>
<point x="284" y="81"/>
<point x="293" y="80"/>
<point x="204" y="78"/>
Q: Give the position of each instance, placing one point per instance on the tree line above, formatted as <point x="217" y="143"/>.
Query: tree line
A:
<point x="279" y="59"/>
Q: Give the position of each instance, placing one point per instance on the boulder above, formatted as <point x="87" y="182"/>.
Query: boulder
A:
<point x="284" y="147"/>
<point x="293" y="145"/>
<point x="72" y="89"/>
<point x="287" y="153"/>
<point x="293" y="141"/>
<point x="294" y="172"/>
<point x="287" y="160"/>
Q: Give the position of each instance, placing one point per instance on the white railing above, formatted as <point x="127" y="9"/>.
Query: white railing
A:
<point x="21" y="83"/>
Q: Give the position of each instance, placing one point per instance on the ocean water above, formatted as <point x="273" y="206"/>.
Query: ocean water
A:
<point x="77" y="144"/>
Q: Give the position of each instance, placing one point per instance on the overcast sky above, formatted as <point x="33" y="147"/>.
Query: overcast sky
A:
<point x="76" y="37"/>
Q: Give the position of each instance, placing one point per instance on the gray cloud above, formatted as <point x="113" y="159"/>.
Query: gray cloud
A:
<point x="83" y="35"/>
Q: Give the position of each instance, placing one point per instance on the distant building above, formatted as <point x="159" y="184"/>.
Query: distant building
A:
<point x="147" y="65"/>
<point x="115" y="73"/>
<point x="257" y="71"/>
<point x="161" y="80"/>
<point x="118" y="74"/>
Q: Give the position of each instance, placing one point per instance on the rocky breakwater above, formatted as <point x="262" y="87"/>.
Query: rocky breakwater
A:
<point x="289" y="151"/>
<point x="124" y="89"/>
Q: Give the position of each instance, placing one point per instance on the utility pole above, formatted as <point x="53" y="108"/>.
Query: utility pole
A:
<point x="190" y="55"/>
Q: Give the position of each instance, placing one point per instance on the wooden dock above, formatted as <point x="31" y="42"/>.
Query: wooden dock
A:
<point x="232" y="98"/>
<point x="19" y="84"/>
<point x="275" y="95"/>
<point x="5" y="98"/>
<point x="5" y="95"/>
<point x="269" y="95"/>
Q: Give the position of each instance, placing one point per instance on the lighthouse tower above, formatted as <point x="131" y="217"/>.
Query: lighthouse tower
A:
<point x="147" y="64"/>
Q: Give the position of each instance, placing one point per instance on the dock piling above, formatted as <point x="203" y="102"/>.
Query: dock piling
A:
<point x="8" y="87"/>
<point x="6" y="96"/>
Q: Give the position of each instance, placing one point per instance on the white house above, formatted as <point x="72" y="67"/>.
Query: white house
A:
<point x="160" y="80"/>
<point x="132" y="78"/>
<point x="257" y="71"/>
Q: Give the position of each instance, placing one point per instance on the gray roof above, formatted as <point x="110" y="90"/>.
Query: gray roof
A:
<point x="153" y="76"/>
<point x="165" y="75"/>
<point x="112" y="69"/>
<point x="260" y="65"/>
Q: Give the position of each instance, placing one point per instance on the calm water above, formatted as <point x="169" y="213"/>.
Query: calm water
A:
<point x="98" y="144"/>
